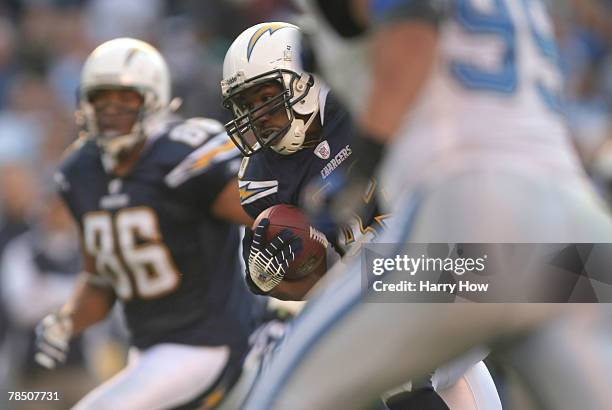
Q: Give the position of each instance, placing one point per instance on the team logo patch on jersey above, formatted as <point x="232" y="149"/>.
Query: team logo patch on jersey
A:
<point x="114" y="186"/>
<point x="335" y="162"/>
<point x="251" y="191"/>
<point x="114" y="201"/>
<point x="322" y="150"/>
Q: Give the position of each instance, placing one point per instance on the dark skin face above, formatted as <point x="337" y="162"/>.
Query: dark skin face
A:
<point x="116" y="110"/>
<point x="272" y="121"/>
<point x="254" y="96"/>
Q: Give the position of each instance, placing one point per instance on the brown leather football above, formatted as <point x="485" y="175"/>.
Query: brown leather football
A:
<point x="312" y="259"/>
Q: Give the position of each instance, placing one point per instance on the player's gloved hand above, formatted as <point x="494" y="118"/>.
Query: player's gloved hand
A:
<point x="266" y="264"/>
<point x="53" y="335"/>
<point x="334" y="201"/>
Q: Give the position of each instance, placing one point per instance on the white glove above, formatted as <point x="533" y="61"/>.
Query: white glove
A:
<point x="53" y="335"/>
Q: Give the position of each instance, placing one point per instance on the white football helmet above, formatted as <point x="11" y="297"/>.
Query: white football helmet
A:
<point x="125" y="63"/>
<point x="269" y="52"/>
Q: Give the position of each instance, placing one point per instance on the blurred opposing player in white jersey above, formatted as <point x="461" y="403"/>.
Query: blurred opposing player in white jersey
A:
<point x="461" y="117"/>
<point x="486" y="128"/>
<point x="463" y="87"/>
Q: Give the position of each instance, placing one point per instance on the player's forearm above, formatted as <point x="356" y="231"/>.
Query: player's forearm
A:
<point x="88" y="305"/>
<point x="402" y="56"/>
<point x="227" y="205"/>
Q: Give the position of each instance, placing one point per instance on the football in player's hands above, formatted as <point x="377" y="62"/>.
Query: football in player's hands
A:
<point x="312" y="258"/>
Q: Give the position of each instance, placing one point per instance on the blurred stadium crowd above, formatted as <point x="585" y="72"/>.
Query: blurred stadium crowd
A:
<point x="43" y="44"/>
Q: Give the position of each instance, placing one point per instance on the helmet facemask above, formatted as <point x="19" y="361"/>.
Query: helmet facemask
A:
<point x="115" y="144"/>
<point x="243" y="129"/>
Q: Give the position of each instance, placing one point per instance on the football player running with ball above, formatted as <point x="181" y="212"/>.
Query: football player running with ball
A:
<point x="155" y="198"/>
<point x="293" y="132"/>
<point x="461" y="119"/>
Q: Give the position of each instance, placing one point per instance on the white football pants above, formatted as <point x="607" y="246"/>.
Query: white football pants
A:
<point x="161" y="377"/>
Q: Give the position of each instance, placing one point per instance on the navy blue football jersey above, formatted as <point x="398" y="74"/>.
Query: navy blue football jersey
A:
<point x="268" y="178"/>
<point x="173" y="264"/>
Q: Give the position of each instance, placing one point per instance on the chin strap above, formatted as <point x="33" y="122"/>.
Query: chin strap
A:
<point x="301" y="128"/>
<point x="115" y="147"/>
<point x="293" y="140"/>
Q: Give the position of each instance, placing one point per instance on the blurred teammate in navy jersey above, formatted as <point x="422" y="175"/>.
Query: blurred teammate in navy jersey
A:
<point x="155" y="198"/>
